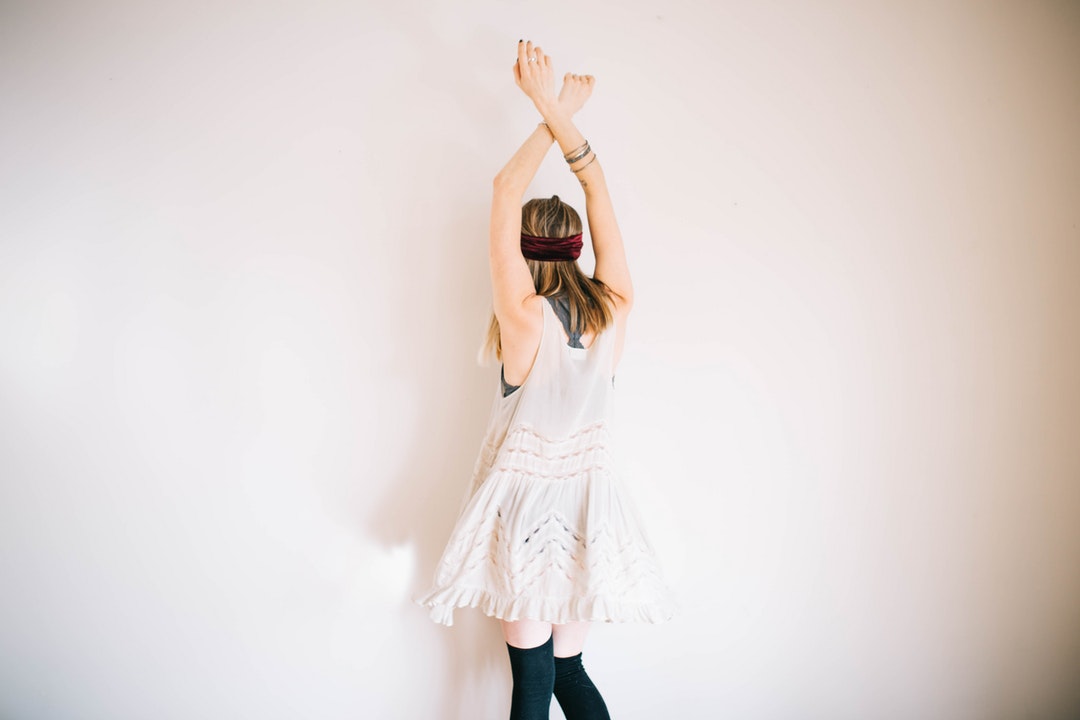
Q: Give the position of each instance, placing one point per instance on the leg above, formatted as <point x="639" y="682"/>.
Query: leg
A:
<point x="532" y="666"/>
<point x="526" y="633"/>
<point x="574" y="689"/>
<point x="570" y="638"/>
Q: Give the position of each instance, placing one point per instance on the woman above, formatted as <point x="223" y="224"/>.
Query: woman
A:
<point x="547" y="541"/>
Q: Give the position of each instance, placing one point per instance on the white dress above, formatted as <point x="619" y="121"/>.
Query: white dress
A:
<point x="546" y="530"/>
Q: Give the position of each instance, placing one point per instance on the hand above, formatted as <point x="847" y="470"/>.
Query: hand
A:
<point x="576" y="89"/>
<point x="536" y="79"/>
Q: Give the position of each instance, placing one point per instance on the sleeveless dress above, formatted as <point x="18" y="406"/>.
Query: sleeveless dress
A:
<point x="546" y="530"/>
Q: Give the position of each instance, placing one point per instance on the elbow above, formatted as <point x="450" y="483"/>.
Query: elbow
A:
<point x="505" y="185"/>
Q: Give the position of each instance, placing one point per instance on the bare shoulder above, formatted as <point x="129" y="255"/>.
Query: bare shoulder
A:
<point x="620" y="312"/>
<point x="520" y="338"/>
<point x="619" y="305"/>
<point x="523" y="319"/>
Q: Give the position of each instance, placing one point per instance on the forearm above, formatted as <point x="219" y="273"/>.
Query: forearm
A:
<point x="519" y="171"/>
<point x="587" y="168"/>
<point x="562" y="126"/>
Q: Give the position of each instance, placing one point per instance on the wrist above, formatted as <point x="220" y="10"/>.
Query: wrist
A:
<point x="551" y="111"/>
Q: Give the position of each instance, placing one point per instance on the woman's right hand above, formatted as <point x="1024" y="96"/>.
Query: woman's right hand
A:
<point x="575" y="91"/>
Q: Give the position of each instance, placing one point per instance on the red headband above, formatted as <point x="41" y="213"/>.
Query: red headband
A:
<point x="538" y="248"/>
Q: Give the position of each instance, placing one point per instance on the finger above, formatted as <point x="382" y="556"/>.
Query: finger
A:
<point x="521" y="53"/>
<point x="541" y="58"/>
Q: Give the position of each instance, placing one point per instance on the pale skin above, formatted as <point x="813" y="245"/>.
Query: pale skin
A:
<point x="518" y="308"/>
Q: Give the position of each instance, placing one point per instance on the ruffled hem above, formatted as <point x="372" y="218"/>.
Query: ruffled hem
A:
<point x="557" y="610"/>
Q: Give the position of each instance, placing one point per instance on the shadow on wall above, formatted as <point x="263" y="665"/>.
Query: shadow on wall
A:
<point x="440" y="305"/>
<point x="452" y="395"/>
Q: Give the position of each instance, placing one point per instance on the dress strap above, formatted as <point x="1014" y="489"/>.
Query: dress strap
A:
<point x="561" y="305"/>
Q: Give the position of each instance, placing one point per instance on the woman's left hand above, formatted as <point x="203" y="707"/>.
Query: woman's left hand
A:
<point x="535" y="77"/>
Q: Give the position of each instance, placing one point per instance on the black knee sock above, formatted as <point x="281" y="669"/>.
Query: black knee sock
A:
<point x="533" y="670"/>
<point x="577" y="696"/>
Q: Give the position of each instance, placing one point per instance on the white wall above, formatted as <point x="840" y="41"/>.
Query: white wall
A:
<point x="242" y="282"/>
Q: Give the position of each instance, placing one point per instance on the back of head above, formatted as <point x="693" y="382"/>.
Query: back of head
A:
<point x="588" y="298"/>
<point x="549" y="218"/>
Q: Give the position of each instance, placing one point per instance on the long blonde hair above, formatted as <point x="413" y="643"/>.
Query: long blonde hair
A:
<point x="589" y="298"/>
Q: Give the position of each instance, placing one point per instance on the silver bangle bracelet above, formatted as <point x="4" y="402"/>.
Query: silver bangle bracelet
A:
<point x="577" y="153"/>
<point x="585" y="165"/>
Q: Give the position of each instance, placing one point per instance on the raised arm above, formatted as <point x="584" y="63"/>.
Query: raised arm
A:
<point x="611" y="266"/>
<point x="511" y="282"/>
